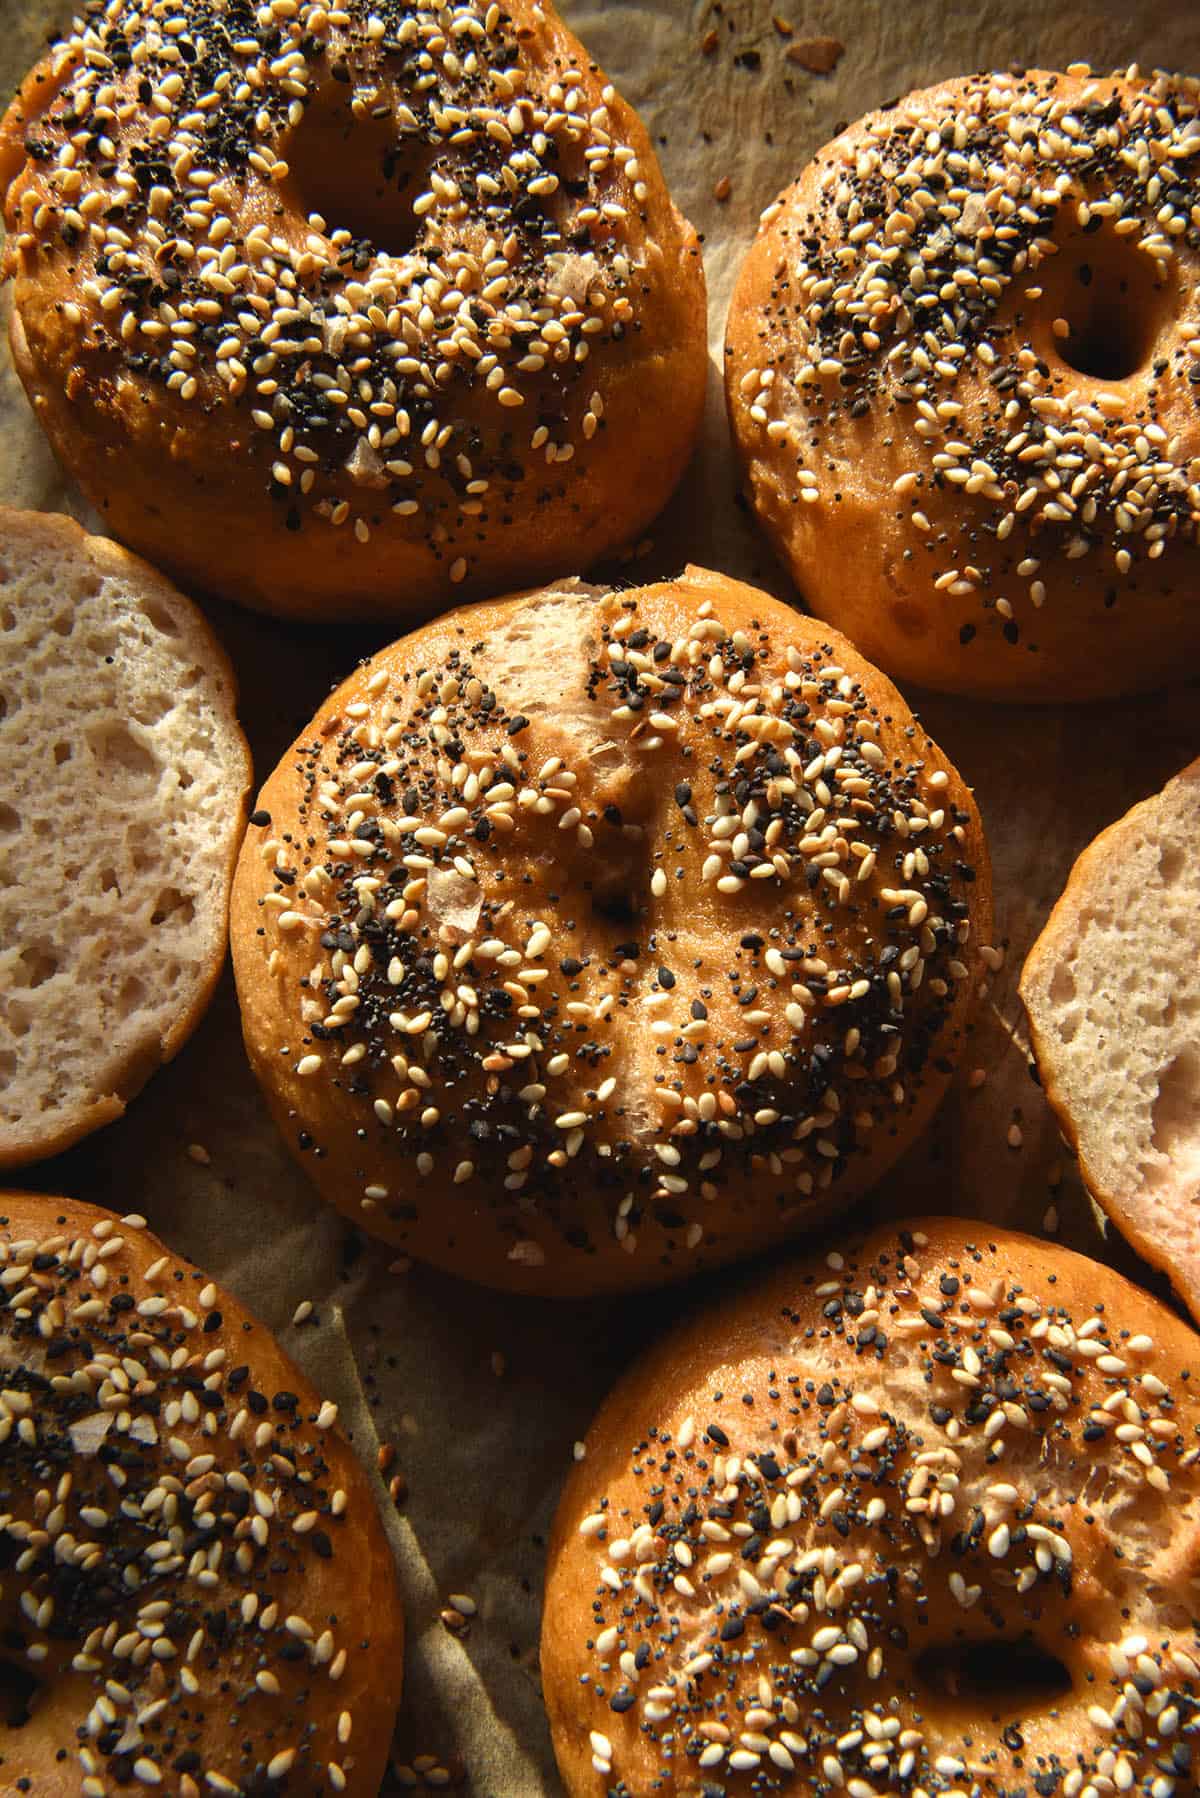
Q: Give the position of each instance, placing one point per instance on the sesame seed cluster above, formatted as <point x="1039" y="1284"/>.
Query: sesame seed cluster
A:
<point x="175" y="1523"/>
<point x="916" y="274"/>
<point x="665" y="978"/>
<point x="425" y="387"/>
<point x="927" y="1458"/>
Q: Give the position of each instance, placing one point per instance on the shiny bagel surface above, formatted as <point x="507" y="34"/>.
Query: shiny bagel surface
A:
<point x="961" y="367"/>
<point x="919" y="1514"/>
<point x="589" y="938"/>
<point x="349" y="310"/>
<point x="198" y="1595"/>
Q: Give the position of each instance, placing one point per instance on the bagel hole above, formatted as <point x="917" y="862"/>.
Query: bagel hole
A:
<point x="1006" y="1675"/>
<point x="18" y="1689"/>
<point x="616" y="904"/>
<point x="1112" y="311"/>
<point x="359" y="173"/>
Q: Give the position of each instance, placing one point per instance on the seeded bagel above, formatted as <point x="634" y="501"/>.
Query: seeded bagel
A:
<point x="921" y="1514"/>
<point x="198" y="1594"/>
<point x="350" y="309"/>
<point x="585" y="939"/>
<point x="961" y="367"/>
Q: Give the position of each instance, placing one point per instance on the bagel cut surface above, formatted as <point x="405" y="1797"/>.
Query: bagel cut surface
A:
<point x="1118" y="1053"/>
<point x="961" y="373"/>
<point x="124" y="775"/>
<point x="589" y="938"/>
<point x="349" y="310"/>
<point x="917" y="1515"/>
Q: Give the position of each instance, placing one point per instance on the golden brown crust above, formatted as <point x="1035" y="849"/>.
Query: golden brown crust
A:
<point x="497" y="324"/>
<point x="1139" y="1214"/>
<point x="44" y="1129"/>
<point x="566" y="1038"/>
<point x="924" y="1509"/>
<point x="203" y="1595"/>
<point x="986" y="511"/>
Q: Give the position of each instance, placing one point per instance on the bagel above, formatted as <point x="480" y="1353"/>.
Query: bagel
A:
<point x="348" y="309"/>
<point x="1111" y="988"/>
<point x="920" y="1515"/>
<point x="197" y="1595"/>
<point x="123" y="783"/>
<point x="961" y="371"/>
<point x="585" y="939"/>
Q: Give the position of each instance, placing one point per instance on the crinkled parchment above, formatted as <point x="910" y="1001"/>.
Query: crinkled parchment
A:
<point x="483" y="1396"/>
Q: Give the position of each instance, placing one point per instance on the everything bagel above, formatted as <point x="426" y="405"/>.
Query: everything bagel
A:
<point x="198" y="1595"/>
<point x="961" y="368"/>
<point x="921" y="1514"/>
<point x="585" y="939"/>
<point x="348" y="309"/>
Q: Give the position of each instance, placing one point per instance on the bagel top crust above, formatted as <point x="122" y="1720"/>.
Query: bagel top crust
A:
<point x="961" y="371"/>
<point x="339" y="309"/>
<point x="196" y="1581"/>
<point x="586" y="938"/>
<point x="919" y="1515"/>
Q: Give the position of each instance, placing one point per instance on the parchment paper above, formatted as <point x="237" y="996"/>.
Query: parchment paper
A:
<point x="483" y="1396"/>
